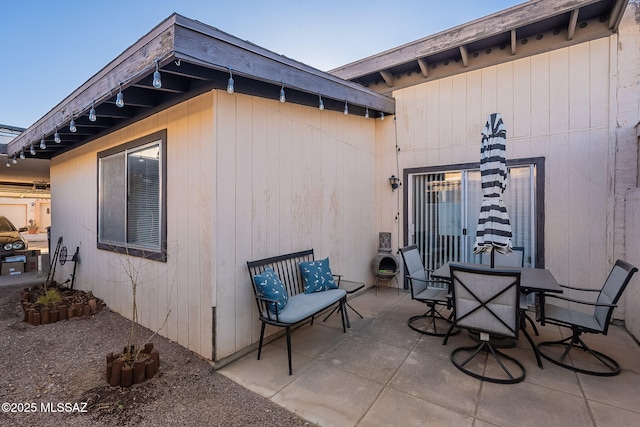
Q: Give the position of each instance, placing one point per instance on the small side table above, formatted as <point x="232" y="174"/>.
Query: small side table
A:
<point x="350" y="287"/>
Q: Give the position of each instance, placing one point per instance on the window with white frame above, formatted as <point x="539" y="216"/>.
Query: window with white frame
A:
<point x="132" y="198"/>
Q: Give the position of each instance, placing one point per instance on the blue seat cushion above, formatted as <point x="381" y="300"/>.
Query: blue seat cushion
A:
<point x="301" y="306"/>
<point x="269" y="285"/>
<point x="317" y="276"/>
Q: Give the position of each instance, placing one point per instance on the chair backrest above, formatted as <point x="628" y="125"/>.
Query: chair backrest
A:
<point x="615" y="284"/>
<point x="486" y="299"/>
<point x="515" y="258"/>
<point x="413" y="267"/>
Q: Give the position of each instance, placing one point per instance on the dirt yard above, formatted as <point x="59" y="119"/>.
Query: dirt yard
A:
<point x="55" y="375"/>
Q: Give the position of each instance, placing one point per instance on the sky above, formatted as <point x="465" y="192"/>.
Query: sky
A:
<point x="51" y="47"/>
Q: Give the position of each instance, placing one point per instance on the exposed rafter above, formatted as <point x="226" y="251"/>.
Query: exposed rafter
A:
<point x="573" y="22"/>
<point x="424" y="67"/>
<point x="388" y="77"/>
<point x="465" y="56"/>
<point x="527" y="29"/>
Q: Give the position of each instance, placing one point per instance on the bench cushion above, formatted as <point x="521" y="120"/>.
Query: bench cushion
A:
<point x="317" y="276"/>
<point x="301" y="306"/>
<point x="270" y="286"/>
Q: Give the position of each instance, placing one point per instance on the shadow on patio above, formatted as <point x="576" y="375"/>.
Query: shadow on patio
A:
<point x="382" y="373"/>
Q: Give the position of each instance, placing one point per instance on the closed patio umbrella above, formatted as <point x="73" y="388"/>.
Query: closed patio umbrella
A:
<point x="494" y="228"/>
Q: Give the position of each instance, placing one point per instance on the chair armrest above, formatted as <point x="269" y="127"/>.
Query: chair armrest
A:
<point x="579" y="289"/>
<point x="593" y="304"/>
<point x="438" y="281"/>
<point x="265" y="302"/>
<point x="338" y="276"/>
<point x="428" y="280"/>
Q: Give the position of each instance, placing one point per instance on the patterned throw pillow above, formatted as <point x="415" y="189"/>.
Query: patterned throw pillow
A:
<point x="269" y="285"/>
<point x="317" y="276"/>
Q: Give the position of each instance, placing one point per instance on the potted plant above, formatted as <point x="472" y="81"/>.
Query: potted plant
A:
<point x="139" y="361"/>
<point x="32" y="227"/>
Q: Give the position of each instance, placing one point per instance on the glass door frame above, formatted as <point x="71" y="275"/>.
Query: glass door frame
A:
<point x="539" y="192"/>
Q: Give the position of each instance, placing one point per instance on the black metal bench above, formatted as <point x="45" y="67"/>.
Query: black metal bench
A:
<point x="300" y="306"/>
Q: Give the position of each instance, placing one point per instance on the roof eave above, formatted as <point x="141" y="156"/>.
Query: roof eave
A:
<point x="482" y="28"/>
<point x="210" y="51"/>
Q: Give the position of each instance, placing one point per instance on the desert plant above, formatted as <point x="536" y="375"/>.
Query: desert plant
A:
<point x="131" y="267"/>
<point x="50" y="299"/>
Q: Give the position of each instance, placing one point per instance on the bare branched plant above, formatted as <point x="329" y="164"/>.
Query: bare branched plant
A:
<point x="131" y="270"/>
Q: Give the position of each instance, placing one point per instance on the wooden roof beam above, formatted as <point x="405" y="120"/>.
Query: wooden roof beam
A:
<point x="387" y="77"/>
<point x="465" y="56"/>
<point x="616" y="14"/>
<point x="424" y="67"/>
<point x="573" y="22"/>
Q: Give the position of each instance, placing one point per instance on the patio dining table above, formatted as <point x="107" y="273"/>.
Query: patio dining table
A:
<point x="532" y="280"/>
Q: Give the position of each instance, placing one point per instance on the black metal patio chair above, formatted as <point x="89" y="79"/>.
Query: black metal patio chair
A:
<point x="596" y="322"/>
<point x="433" y="293"/>
<point x="486" y="301"/>
<point x="515" y="258"/>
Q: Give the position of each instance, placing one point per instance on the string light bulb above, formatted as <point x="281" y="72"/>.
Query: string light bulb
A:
<point x="157" y="79"/>
<point x="32" y="150"/>
<point x="366" y="113"/>
<point x="92" y="113"/>
<point x="120" y="97"/>
<point x="15" y="160"/>
<point x="381" y="115"/>
<point x="320" y="103"/>
<point x="8" y="164"/>
<point x="56" y="137"/>
<point x="21" y="154"/>
<point x="346" y="108"/>
<point x="283" y="98"/>
<point x="230" y="83"/>
<point x="72" y="126"/>
<point x="43" y="144"/>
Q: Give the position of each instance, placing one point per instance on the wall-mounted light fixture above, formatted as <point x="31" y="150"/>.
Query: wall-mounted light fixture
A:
<point x="395" y="182"/>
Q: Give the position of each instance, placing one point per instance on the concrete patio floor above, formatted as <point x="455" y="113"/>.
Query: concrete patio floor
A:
<point x="381" y="373"/>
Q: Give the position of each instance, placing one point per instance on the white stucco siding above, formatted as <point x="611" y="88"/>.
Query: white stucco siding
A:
<point x="182" y="286"/>
<point x="288" y="178"/>
<point x="555" y="105"/>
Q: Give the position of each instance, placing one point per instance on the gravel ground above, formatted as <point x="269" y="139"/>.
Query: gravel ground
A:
<point x="49" y="366"/>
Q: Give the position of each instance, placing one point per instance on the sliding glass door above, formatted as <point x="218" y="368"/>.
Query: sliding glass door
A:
<point x="443" y="209"/>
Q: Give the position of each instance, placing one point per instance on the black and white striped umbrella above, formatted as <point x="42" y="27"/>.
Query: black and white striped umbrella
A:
<point x="494" y="228"/>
